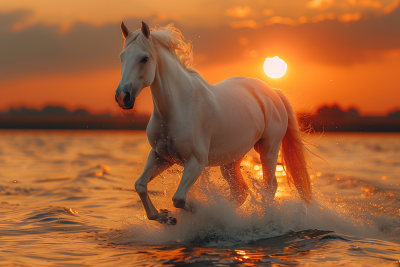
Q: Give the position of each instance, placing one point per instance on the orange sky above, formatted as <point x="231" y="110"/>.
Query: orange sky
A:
<point x="337" y="51"/>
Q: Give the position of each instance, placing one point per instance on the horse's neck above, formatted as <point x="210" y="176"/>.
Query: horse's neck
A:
<point x="171" y="86"/>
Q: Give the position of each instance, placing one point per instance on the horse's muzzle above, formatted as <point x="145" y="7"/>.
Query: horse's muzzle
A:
<point x="125" y="99"/>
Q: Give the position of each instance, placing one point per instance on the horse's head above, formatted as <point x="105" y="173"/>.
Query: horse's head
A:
<point x="138" y="65"/>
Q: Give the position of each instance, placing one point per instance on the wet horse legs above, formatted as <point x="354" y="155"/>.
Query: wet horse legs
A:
<point x="238" y="187"/>
<point x="191" y="173"/>
<point x="154" y="166"/>
<point x="269" y="156"/>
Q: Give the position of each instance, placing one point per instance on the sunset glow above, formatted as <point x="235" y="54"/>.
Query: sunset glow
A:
<point x="275" y="67"/>
<point x="212" y="133"/>
<point x="330" y="44"/>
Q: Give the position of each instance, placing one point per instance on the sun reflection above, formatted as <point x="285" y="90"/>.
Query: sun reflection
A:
<point x="252" y="170"/>
<point x="249" y="256"/>
<point x="241" y="252"/>
<point x="74" y="212"/>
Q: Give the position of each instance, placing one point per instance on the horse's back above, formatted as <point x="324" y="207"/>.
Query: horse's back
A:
<point x="248" y="110"/>
<point x="256" y="95"/>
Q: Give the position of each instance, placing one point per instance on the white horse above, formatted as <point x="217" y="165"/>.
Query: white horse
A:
<point x="196" y="124"/>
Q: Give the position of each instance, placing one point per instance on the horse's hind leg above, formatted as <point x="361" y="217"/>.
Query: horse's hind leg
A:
<point x="269" y="155"/>
<point x="238" y="187"/>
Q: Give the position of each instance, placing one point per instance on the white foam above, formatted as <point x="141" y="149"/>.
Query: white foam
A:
<point x="216" y="222"/>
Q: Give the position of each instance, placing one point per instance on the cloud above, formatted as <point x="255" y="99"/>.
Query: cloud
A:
<point x="190" y="13"/>
<point x="8" y="20"/>
<point x="329" y="42"/>
<point x="320" y="4"/>
<point x="391" y="7"/>
<point x="238" y="11"/>
<point x="42" y="49"/>
<point x="325" y="42"/>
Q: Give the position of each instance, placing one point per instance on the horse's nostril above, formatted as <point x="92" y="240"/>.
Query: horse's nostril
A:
<point x="116" y="99"/>
<point x="127" y="98"/>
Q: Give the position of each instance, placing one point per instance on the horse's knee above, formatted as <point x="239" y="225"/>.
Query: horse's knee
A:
<point x="140" y="188"/>
<point x="179" y="202"/>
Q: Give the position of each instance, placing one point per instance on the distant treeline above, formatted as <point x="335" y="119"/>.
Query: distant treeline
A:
<point x="325" y="112"/>
<point x="59" y="117"/>
<point x="325" y="119"/>
<point x="334" y="119"/>
<point x="49" y="111"/>
<point x="335" y="111"/>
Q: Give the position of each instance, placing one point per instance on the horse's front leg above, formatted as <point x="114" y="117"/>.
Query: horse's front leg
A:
<point x="193" y="169"/>
<point x="154" y="166"/>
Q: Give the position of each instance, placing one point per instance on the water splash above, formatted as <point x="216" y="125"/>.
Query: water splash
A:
<point x="216" y="223"/>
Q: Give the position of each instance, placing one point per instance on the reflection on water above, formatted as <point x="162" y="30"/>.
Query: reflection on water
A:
<point x="67" y="199"/>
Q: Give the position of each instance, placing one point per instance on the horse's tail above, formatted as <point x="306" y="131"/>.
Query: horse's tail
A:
<point x="294" y="154"/>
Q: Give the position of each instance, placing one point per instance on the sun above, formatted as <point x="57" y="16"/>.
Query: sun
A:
<point x="275" y="67"/>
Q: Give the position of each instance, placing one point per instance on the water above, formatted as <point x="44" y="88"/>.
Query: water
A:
<point x="67" y="199"/>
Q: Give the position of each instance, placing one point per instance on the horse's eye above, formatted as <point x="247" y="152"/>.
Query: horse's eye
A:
<point x="144" y="60"/>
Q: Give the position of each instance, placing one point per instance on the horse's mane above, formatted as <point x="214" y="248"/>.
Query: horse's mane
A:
<point x="171" y="39"/>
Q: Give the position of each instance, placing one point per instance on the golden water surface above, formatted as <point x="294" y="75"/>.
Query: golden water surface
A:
<point x="67" y="199"/>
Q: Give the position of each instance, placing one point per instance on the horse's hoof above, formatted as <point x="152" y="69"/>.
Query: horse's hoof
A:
<point x="171" y="221"/>
<point x="179" y="203"/>
<point x="164" y="218"/>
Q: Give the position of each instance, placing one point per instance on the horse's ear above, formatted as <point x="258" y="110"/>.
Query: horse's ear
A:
<point x="145" y="29"/>
<point x="125" y="30"/>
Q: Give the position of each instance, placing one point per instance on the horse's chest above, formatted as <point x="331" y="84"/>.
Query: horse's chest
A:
<point x="164" y="146"/>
